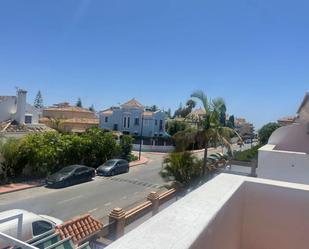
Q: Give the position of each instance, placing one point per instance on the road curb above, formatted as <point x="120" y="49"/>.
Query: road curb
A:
<point x="20" y="189"/>
<point x="144" y="160"/>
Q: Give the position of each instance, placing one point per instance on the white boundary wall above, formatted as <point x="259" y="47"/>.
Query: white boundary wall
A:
<point x="154" y="148"/>
<point x="283" y="165"/>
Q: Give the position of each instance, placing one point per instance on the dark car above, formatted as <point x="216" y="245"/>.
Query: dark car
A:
<point x="113" y="167"/>
<point x="70" y="175"/>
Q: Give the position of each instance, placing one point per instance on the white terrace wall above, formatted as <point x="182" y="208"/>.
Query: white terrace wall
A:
<point x="283" y="165"/>
<point x="229" y="212"/>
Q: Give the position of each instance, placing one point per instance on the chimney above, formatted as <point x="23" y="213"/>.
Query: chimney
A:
<point x="21" y="106"/>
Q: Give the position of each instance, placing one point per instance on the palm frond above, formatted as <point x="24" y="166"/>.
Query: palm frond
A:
<point x="219" y="104"/>
<point x="203" y="98"/>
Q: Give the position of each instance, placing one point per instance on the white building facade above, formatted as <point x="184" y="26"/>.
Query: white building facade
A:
<point x="16" y="108"/>
<point x="286" y="156"/>
<point x="132" y="118"/>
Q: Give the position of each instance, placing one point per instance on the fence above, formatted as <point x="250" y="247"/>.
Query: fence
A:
<point x="119" y="218"/>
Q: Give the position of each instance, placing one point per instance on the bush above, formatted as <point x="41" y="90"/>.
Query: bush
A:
<point x="132" y="157"/>
<point x="175" y="126"/>
<point x="246" y="155"/>
<point x="10" y="165"/>
<point x="182" y="167"/>
<point x="126" y="146"/>
<point x="41" y="154"/>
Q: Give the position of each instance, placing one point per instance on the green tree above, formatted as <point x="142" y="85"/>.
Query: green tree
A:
<point x="9" y="153"/>
<point x="175" y="126"/>
<point x="79" y="103"/>
<point x="38" y="101"/>
<point x="153" y="108"/>
<point x="182" y="167"/>
<point x="40" y="154"/>
<point x="221" y="109"/>
<point x="190" y="104"/>
<point x="126" y="145"/>
<point x="265" y="132"/>
<point x="209" y="129"/>
<point x="231" y="122"/>
<point x="169" y="113"/>
<point x="91" y="108"/>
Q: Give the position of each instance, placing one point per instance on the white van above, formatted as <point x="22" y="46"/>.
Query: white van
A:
<point x="33" y="224"/>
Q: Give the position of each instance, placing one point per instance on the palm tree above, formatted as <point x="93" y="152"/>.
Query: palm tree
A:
<point x="209" y="128"/>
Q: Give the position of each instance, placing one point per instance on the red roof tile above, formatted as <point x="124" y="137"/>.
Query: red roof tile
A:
<point x="79" y="228"/>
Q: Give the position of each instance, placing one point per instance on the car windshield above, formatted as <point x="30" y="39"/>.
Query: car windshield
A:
<point x="109" y="163"/>
<point x="68" y="169"/>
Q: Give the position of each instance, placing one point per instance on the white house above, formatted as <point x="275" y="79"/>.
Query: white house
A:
<point x="286" y="156"/>
<point x="132" y="118"/>
<point x="16" y="108"/>
<point x="17" y="117"/>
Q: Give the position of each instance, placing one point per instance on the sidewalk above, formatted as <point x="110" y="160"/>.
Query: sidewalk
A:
<point x="12" y="187"/>
<point x="143" y="160"/>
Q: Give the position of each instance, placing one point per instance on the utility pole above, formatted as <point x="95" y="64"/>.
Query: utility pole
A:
<point x="141" y="137"/>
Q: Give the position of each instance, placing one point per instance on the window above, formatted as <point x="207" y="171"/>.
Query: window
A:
<point x="80" y="170"/>
<point x="115" y="127"/>
<point x="106" y="119"/>
<point x="125" y="122"/>
<point x="28" y="119"/>
<point x="41" y="226"/>
<point x="161" y="125"/>
<point x="156" y="122"/>
<point x="136" y="121"/>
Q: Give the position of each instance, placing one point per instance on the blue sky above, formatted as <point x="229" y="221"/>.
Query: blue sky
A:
<point x="254" y="54"/>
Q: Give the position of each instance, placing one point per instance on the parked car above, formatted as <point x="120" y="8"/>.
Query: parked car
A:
<point x="113" y="167"/>
<point x="33" y="225"/>
<point x="70" y="175"/>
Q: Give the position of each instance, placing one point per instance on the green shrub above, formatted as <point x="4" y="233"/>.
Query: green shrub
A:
<point x="182" y="167"/>
<point x="132" y="157"/>
<point x="10" y="160"/>
<point x="41" y="154"/>
<point x="126" y="145"/>
<point x="246" y="155"/>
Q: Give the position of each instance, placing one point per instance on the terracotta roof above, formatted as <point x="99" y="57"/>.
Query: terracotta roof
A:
<point x="132" y="103"/>
<point x="79" y="228"/>
<point x="81" y="121"/>
<point x="4" y="124"/>
<point x="287" y="118"/>
<point x="107" y="112"/>
<point x="73" y="120"/>
<point x="147" y="113"/>
<point x="10" y="126"/>
<point x="67" y="108"/>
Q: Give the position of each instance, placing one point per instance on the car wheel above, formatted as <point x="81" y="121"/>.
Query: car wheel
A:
<point x="112" y="173"/>
<point x="127" y="170"/>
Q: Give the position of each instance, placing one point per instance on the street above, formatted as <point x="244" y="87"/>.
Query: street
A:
<point x="97" y="197"/>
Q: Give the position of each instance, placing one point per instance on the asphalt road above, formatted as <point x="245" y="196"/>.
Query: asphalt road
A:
<point x="97" y="197"/>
